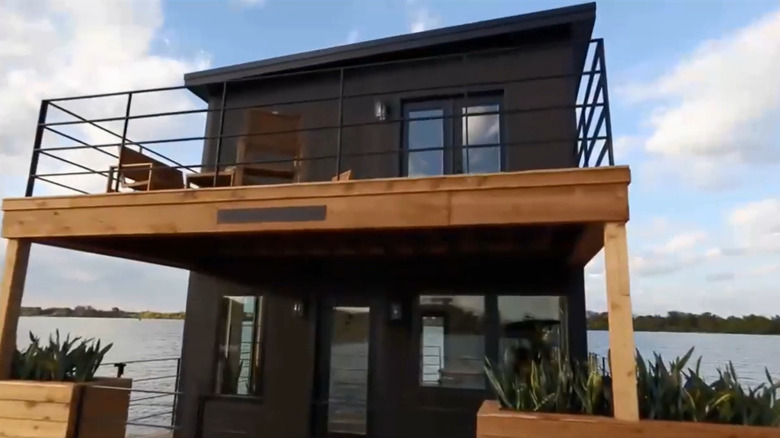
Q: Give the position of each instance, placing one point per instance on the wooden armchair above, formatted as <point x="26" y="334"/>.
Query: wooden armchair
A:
<point x="138" y="171"/>
<point x="280" y="140"/>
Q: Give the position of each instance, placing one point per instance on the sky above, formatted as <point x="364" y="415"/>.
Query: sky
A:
<point x="695" y="101"/>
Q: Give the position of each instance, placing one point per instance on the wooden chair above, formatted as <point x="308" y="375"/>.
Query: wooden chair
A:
<point x="280" y="140"/>
<point x="138" y="171"/>
<point x="343" y="176"/>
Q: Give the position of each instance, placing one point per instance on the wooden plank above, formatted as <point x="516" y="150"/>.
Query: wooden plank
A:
<point x="32" y="429"/>
<point x="538" y="178"/>
<point x="17" y="256"/>
<point x="515" y="206"/>
<point x="621" y="324"/>
<point x="540" y="205"/>
<point x="27" y="410"/>
<point x="30" y="391"/>
<point x="493" y="422"/>
<point x="104" y="410"/>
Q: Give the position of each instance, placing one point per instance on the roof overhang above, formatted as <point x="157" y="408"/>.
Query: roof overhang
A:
<point x="351" y="54"/>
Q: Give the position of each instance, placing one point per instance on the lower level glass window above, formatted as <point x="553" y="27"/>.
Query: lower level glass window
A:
<point x="240" y="351"/>
<point x="530" y="327"/>
<point x="452" y="344"/>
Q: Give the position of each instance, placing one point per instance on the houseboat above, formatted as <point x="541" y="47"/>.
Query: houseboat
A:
<point x="367" y="223"/>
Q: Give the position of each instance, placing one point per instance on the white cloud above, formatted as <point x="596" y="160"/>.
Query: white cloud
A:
<point x="756" y="226"/>
<point x="353" y="37"/>
<point x="719" y="105"/>
<point x="624" y="146"/>
<point x="55" y="48"/>
<point x="682" y="242"/>
<point x="421" y="18"/>
<point x="250" y="3"/>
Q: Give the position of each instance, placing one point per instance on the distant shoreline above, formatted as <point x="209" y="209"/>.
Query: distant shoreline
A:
<point x="91" y="312"/>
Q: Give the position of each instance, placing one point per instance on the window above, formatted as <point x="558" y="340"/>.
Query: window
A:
<point x="452" y="346"/>
<point x="425" y="142"/>
<point x="240" y="348"/>
<point x="438" y="143"/>
<point x="530" y="326"/>
<point x="481" y="145"/>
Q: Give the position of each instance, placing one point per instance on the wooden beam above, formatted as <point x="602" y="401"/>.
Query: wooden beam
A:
<point x="17" y="256"/>
<point x="621" y="324"/>
<point x="589" y="243"/>
<point x="437" y="208"/>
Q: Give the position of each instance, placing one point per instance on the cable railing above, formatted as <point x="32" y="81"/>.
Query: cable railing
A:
<point x="93" y="146"/>
<point x="153" y="394"/>
<point x="155" y="391"/>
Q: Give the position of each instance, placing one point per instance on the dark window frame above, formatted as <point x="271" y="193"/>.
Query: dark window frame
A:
<point x="452" y="123"/>
<point x="489" y="306"/>
<point x="492" y="330"/>
<point x="256" y="373"/>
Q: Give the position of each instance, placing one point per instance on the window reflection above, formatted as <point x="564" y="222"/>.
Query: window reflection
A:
<point x="239" y="365"/>
<point x="530" y="327"/>
<point x="425" y="134"/>
<point x="481" y="139"/>
<point x="453" y="341"/>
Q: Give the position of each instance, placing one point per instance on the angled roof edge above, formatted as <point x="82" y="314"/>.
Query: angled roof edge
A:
<point x="196" y="81"/>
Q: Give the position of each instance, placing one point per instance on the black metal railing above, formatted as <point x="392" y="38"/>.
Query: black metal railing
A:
<point x="91" y="146"/>
<point x="153" y="395"/>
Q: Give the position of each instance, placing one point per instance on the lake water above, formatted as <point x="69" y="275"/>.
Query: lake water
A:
<point x="161" y="339"/>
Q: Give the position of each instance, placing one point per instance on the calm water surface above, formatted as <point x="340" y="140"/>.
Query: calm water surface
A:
<point x="133" y="340"/>
<point x="161" y="339"/>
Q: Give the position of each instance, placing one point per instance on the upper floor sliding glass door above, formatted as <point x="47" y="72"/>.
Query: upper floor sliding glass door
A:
<point x="452" y="136"/>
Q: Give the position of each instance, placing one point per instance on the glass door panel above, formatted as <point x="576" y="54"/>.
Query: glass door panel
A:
<point x="348" y="377"/>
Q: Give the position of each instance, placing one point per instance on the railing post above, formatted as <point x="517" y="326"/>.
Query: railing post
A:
<point x="123" y="142"/>
<point x="341" y="122"/>
<point x="218" y="152"/>
<point x="120" y="369"/>
<point x="605" y="108"/>
<point x="36" y="147"/>
<point x="586" y="111"/>
<point x="464" y="167"/>
<point x="176" y="392"/>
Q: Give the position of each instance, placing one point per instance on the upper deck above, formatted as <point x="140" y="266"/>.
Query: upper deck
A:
<point x="364" y="151"/>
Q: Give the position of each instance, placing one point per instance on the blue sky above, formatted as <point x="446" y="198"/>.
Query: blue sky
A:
<point x="695" y="100"/>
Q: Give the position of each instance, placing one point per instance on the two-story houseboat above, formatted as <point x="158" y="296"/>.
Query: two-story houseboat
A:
<point x="367" y="224"/>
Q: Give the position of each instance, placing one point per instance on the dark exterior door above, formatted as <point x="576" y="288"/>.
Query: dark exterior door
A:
<point x="343" y="368"/>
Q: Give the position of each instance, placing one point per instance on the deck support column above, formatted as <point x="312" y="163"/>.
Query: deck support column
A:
<point x="621" y="323"/>
<point x="17" y="256"/>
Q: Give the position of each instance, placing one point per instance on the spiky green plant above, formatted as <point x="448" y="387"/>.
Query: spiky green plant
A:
<point x="68" y="360"/>
<point x="665" y="392"/>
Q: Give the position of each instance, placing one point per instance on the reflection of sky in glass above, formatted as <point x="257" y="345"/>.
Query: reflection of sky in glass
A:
<point x="481" y="130"/>
<point x="424" y="134"/>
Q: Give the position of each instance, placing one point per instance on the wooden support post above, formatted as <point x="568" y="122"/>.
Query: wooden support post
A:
<point x="17" y="255"/>
<point x="621" y="323"/>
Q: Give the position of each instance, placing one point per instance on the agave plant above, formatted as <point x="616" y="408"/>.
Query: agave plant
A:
<point x="670" y="391"/>
<point x="552" y="385"/>
<point x="75" y="360"/>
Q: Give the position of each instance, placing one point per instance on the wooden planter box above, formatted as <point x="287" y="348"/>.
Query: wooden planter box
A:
<point x="494" y="422"/>
<point x="64" y="409"/>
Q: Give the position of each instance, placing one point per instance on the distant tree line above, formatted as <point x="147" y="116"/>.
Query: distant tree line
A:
<point x="692" y="322"/>
<point x="91" y="312"/>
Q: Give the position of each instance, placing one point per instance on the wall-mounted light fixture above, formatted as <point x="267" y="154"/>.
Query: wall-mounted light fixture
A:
<point x="380" y="110"/>
<point x="299" y="308"/>
<point x="396" y="311"/>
